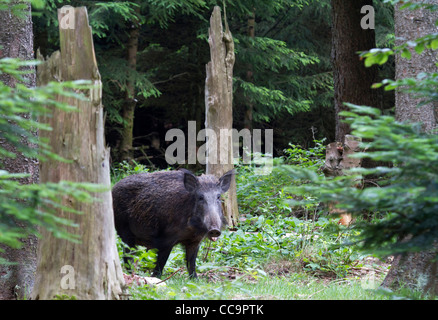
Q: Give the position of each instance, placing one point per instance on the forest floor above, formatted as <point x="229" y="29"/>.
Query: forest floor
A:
<point x="281" y="282"/>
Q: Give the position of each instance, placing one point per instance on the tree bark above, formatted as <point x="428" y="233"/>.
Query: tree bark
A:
<point x="130" y="101"/>
<point x="414" y="270"/>
<point x="410" y="25"/>
<point x="248" y="115"/>
<point x="89" y="269"/>
<point x="16" y="41"/>
<point x="219" y="108"/>
<point x="352" y="80"/>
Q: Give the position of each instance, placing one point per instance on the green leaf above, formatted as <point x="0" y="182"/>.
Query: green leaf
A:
<point x="406" y="54"/>
<point x="38" y="4"/>
<point x="377" y="85"/>
<point x="419" y="48"/>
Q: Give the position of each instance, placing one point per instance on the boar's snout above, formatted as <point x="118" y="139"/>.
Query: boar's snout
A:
<point x="213" y="234"/>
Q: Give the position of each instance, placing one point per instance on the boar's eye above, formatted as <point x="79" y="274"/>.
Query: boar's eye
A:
<point x="219" y="197"/>
<point x="201" y="197"/>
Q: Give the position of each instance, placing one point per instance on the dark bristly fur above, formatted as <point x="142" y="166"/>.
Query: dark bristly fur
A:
<point x="162" y="209"/>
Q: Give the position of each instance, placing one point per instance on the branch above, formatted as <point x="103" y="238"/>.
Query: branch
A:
<point x="171" y="275"/>
<point x="171" y="78"/>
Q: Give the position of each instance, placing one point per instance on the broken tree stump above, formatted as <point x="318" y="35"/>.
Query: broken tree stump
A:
<point x="219" y="108"/>
<point x="89" y="269"/>
<point x="338" y="159"/>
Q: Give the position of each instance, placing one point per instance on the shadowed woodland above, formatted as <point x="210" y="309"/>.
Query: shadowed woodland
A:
<point x="344" y="207"/>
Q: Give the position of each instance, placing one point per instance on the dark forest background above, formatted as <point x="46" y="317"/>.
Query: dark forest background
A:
<point x="283" y="77"/>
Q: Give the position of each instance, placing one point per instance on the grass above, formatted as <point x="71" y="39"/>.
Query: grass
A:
<point x="293" y="287"/>
<point x="268" y="257"/>
<point x="231" y="269"/>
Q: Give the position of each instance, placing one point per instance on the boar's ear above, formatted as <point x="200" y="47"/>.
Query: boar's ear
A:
<point x="225" y="180"/>
<point x="190" y="181"/>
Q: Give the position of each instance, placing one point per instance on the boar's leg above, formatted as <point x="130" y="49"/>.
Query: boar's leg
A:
<point x="191" y="254"/>
<point x="129" y="239"/>
<point x="163" y="255"/>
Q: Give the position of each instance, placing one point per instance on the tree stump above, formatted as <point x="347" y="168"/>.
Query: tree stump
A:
<point x="336" y="161"/>
<point x="91" y="268"/>
<point x="219" y="108"/>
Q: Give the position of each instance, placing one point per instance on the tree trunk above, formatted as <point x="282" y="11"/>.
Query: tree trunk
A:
<point x="415" y="270"/>
<point x="248" y="115"/>
<point x="89" y="269"/>
<point x="219" y="108"/>
<point x="130" y="100"/>
<point x="16" y="41"/>
<point x="352" y="80"/>
<point x="410" y="25"/>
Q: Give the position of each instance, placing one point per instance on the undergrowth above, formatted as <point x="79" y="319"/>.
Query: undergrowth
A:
<point x="270" y="228"/>
<point x="274" y="242"/>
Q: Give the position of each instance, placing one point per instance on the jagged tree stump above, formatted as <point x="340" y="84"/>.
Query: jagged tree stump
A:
<point x="219" y="108"/>
<point x="91" y="268"/>
<point x="338" y="160"/>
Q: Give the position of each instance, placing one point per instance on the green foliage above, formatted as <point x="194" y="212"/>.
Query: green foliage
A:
<point x="18" y="9"/>
<point x="34" y="205"/>
<point x="262" y="194"/>
<point x="423" y="86"/>
<point x="163" y="12"/>
<point x="267" y="194"/>
<point x="413" y="5"/>
<point x="64" y="297"/>
<point x="406" y="194"/>
<point x="110" y="14"/>
<point x="274" y="63"/>
<point x="313" y="157"/>
<point x="406" y="191"/>
<point x="279" y="84"/>
<point x="124" y="169"/>
<point x="14" y="127"/>
<point x="289" y="58"/>
<point x="312" y="246"/>
<point x="26" y="207"/>
<point x="270" y="255"/>
<point x="380" y="55"/>
<point x="315" y="247"/>
<point x="143" y="260"/>
<point x="269" y="229"/>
